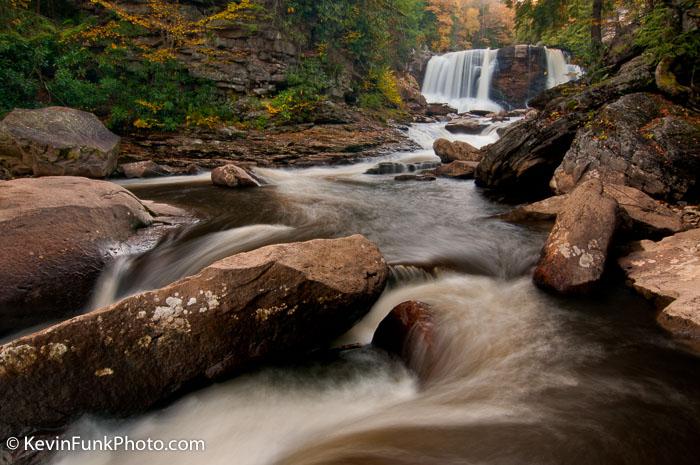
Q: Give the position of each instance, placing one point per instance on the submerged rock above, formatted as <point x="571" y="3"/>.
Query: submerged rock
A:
<point x="573" y="258"/>
<point x="640" y="140"/>
<point x="456" y="151"/>
<point x="144" y="169"/>
<point x="457" y="169"/>
<point x="56" y="237"/>
<point x="408" y="331"/>
<point x="57" y="141"/>
<point x="669" y="273"/>
<point x="233" y="176"/>
<point x="273" y="302"/>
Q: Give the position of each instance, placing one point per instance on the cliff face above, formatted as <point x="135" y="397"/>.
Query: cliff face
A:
<point x="520" y="74"/>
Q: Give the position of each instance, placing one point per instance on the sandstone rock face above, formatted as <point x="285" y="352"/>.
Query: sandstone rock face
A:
<point x="573" y="258"/>
<point x="273" y="302"/>
<point x="457" y="169"/>
<point x="456" y="151"/>
<point x="56" y="235"/>
<point x="408" y="332"/>
<point x="233" y="176"/>
<point x="57" y="141"/>
<point x="529" y="151"/>
<point x="411" y="94"/>
<point x="669" y="273"/>
<point x="640" y="140"/>
<point x="520" y="74"/>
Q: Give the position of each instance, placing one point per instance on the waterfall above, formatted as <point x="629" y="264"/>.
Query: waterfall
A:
<point x="559" y="71"/>
<point x="462" y="80"/>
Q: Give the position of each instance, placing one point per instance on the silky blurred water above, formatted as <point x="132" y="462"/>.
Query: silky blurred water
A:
<point x="520" y="377"/>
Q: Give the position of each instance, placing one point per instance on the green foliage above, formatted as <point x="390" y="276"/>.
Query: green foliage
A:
<point x="306" y="86"/>
<point x="660" y="37"/>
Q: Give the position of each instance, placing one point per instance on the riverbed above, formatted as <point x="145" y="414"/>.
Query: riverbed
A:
<point x="521" y="377"/>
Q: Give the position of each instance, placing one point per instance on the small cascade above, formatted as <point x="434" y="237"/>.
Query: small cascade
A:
<point x="462" y="80"/>
<point x="559" y="71"/>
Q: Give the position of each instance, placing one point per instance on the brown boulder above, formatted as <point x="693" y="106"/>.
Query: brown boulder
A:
<point x="440" y="109"/>
<point x="640" y="215"/>
<point x="457" y="169"/>
<point x="56" y="237"/>
<point x="465" y="126"/>
<point x="57" y="141"/>
<point x="573" y="258"/>
<point x="408" y="331"/>
<point x="669" y="273"/>
<point x="144" y="169"/>
<point x="273" y="302"/>
<point x="457" y="150"/>
<point x="233" y="176"/>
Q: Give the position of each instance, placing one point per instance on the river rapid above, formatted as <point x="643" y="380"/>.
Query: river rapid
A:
<point x="521" y="377"/>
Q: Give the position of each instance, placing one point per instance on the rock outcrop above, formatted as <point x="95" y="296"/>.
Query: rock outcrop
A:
<point x="57" y="141"/>
<point x="273" y="302"/>
<point x="411" y="95"/>
<point x="641" y="217"/>
<point x="668" y="272"/>
<point x="520" y="74"/>
<point x="233" y="176"/>
<point x="408" y="331"/>
<point x="57" y="233"/>
<point x="640" y="140"/>
<point x="456" y="151"/>
<point x="528" y="152"/>
<point x="457" y="170"/>
<point x="573" y="258"/>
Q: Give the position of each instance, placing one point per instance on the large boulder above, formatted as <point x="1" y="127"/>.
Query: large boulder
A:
<point x="57" y="141"/>
<point x="456" y="151"/>
<point x="520" y="74"/>
<point x="144" y="169"/>
<point x="465" y="125"/>
<point x="57" y="233"/>
<point x="408" y="331"/>
<point x="523" y="160"/>
<point x="640" y="215"/>
<point x="233" y="176"/>
<point x="274" y="302"/>
<point x="573" y="258"/>
<point x="640" y="140"/>
<point x="669" y="273"/>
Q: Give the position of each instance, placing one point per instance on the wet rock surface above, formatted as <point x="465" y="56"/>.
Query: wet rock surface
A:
<point x="573" y="258"/>
<point x="457" y="170"/>
<point x="57" y="141"/>
<point x="408" y="331"/>
<point x="57" y="234"/>
<point x="520" y="74"/>
<point x="668" y="272"/>
<point x="233" y="176"/>
<point x="273" y="302"/>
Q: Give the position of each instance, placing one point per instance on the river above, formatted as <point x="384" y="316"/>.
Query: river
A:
<point x="521" y="377"/>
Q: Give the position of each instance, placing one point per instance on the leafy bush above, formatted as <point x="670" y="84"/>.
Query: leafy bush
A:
<point x="307" y="84"/>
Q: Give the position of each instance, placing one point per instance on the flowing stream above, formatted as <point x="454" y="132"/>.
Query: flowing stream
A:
<point x="521" y="377"/>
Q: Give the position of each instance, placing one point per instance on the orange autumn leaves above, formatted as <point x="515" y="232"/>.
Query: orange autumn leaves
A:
<point x="462" y="24"/>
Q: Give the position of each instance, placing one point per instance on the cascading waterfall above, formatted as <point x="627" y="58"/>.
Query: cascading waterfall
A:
<point x="462" y="80"/>
<point x="559" y="71"/>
